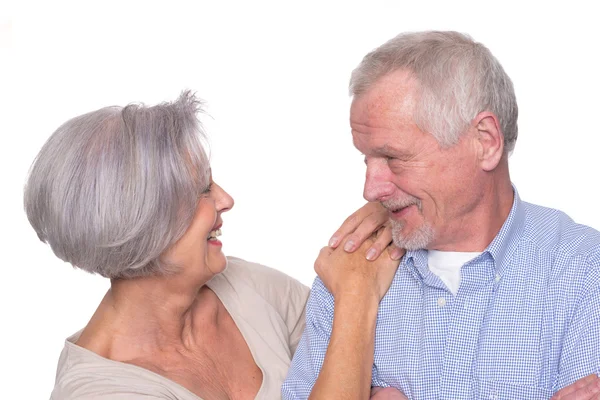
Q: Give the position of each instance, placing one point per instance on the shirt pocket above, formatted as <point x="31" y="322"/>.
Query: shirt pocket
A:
<point x="496" y="390"/>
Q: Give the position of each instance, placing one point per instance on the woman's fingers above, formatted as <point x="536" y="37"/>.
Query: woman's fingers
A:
<point x="359" y="226"/>
<point x="369" y="220"/>
<point x="365" y="229"/>
<point x="348" y="226"/>
<point x="345" y="273"/>
<point x="383" y="242"/>
<point x="382" y="239"/>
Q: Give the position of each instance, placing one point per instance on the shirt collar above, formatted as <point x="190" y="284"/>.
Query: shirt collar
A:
<point x="500" y="249"/>
<point x="507" y="240"/>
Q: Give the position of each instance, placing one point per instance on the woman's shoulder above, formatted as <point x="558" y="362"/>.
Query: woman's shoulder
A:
<point x="274" y="286"/>
<point x="258" y="274"/>
<point x="81" y="374"/>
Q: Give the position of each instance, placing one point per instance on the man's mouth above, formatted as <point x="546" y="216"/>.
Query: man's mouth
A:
<point x="398" y="212"/>
<point x="398" y="209"/>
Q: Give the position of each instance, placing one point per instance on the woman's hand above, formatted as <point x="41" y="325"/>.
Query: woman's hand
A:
<point x="362" y="224"/>
<point x="379" y="393"/>
<point x="357" y="285"/>
<point x="353" y="274"/>
<point x="587" y="388"/>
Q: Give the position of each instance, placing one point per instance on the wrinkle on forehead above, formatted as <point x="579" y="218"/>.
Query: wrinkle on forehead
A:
<point x="386" y="109"/>
<point x="387" y="106"/>
<point x="383" y="115"/>
<point x="394" y="93"/>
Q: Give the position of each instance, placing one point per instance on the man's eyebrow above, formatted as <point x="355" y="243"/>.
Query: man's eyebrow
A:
<point x="387" y="149"/>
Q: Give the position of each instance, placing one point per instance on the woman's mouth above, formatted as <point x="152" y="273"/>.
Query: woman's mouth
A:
<point x="213" y="235"/>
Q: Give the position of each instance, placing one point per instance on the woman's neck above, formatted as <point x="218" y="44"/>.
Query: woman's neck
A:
<point x="144" y="316"/>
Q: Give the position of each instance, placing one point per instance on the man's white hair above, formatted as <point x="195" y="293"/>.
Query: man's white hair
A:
<point x="458" y="79"/>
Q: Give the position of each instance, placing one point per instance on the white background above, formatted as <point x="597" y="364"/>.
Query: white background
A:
<point x="275" y="78"/>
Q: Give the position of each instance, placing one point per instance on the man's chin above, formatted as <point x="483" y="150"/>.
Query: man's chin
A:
<point x="417" y="239"/>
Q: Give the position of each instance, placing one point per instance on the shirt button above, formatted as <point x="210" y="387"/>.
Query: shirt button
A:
<point x="497" y="279"/>
<point x="441" y="302"/>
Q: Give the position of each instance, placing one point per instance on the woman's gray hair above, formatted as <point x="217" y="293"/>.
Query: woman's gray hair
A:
<point x="458" y="79"/>
<point x="112" y="189"/>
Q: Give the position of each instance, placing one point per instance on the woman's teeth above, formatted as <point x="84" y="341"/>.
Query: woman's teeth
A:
<point x="214" y="234"/>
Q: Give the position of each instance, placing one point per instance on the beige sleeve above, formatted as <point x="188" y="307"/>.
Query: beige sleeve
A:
<point x="298" y="326"/>
<point x="286" y="295"/>
<point x="110" y="396"/>
<point x="86" y="383"/>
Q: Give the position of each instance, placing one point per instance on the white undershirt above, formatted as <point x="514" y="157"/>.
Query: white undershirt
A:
<point x="447" y="265"/>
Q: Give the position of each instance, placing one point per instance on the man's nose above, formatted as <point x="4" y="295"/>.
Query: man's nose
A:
<point x="378" y="184"/>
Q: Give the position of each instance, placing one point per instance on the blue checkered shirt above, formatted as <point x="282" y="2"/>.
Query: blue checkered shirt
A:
<point x="524" y="323"/>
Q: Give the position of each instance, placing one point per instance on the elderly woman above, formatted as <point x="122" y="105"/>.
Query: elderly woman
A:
<point x="127" y="193"/>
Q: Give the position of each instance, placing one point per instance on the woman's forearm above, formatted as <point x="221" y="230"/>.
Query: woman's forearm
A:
<point x="346" y="371"/>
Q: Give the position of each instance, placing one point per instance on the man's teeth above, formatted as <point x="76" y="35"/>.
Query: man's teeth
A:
<point x="214" y="234"/>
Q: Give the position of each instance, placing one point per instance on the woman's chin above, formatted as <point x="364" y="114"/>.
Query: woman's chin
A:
<point x="217" y="263"/>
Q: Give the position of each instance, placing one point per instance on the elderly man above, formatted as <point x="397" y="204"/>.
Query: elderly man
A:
<point x="495" y="298"/>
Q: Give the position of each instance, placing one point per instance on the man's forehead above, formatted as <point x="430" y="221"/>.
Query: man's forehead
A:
<point x="395" y="90"/>
<point x="373" y="103"/>
<point x="367" y="142"/>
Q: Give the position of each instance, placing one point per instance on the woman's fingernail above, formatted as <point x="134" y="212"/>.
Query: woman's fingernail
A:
<point x="349" y="246"/>
<point x="371" y="254"/>
<point x="333" y="241"/>
<point x="396" y="254"/>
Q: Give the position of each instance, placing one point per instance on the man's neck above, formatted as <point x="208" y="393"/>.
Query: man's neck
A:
<point x="478" y="228"/>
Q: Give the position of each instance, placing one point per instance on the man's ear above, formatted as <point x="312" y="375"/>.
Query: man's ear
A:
<point x="490" y="138"/>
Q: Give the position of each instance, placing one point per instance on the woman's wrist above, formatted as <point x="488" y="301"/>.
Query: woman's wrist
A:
<point x="358" y="301"/>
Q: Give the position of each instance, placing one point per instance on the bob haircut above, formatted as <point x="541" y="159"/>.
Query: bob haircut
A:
<point x="112" y="189"/>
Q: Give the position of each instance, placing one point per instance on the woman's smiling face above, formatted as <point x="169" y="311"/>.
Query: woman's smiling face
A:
<point x="199" y="249"/>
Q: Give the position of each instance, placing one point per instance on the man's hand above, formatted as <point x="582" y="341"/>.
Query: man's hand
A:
<point x="378" y="393"/>
<point x="587" y="388"/>
<point x="361" y="225"/>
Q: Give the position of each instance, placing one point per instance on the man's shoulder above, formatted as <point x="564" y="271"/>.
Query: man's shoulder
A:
<point x="553" y="231"/>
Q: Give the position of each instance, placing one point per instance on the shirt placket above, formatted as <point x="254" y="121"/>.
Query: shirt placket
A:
<point x="437" y="306"/>
<point x="467" y="315"/>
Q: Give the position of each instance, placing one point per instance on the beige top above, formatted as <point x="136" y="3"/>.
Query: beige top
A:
<point x="266" y="305"/>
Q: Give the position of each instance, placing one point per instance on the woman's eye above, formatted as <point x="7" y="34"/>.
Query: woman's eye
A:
<point x="208" y="188"/>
